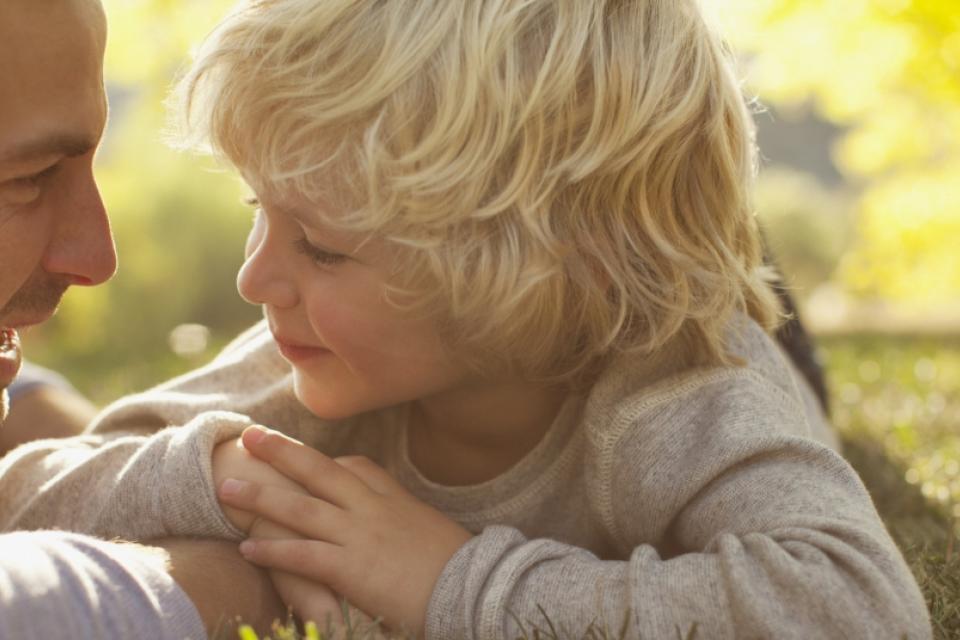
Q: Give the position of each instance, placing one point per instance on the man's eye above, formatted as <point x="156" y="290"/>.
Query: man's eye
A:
<point x="36" y="179"/>
<point x="30" y="185"/>
<point x="319" y="256"/>
<point x="26" y="189"/>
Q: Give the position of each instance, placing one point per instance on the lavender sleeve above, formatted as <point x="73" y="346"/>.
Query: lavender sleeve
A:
<point x="55" y="584"/>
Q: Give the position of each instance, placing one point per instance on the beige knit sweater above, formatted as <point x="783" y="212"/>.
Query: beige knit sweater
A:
<point x="707" y="498"/>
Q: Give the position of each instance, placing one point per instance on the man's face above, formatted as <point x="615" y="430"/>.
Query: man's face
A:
<point x="53" y="227"/>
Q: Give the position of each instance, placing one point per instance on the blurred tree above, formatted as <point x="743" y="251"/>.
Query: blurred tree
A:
<point x="889" y="72"/>
<point x="150" y="40"/>
<point x="807" y="227"/>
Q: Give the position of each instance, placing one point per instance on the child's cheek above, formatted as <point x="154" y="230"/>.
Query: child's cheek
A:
<point x="354" y="323"/>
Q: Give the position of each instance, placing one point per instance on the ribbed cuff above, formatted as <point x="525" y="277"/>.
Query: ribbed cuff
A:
<point x="458" y="605"/>
<point x="191" y="506"/>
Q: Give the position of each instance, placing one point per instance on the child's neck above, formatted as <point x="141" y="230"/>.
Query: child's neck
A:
<point x="473" y="435"/>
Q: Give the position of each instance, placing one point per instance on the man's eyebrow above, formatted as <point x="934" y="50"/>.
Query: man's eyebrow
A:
<point x="65" y="144"/>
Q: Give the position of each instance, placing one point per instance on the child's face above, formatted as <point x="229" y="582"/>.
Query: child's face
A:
<point x="323" y="296"/>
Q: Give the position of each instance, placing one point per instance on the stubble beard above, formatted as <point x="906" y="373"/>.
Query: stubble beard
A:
<point x="40" y="295"/>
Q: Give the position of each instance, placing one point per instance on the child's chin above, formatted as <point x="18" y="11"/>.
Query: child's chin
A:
<point x="328" y="404"/>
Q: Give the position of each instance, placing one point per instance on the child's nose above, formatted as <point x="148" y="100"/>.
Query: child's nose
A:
<point x="261" y="280"/>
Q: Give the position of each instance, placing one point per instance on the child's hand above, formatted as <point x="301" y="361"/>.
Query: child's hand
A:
<point x="231" y="460"/>
<point x="309" y="600"/>
<point x="367" y="537"/>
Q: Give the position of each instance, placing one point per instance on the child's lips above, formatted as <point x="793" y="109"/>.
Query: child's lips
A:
<point x="298" y="352"/>
<point x="9" y="356"/>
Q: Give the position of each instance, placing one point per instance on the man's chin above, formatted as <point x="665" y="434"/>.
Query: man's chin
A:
<point x="25" y="319"/>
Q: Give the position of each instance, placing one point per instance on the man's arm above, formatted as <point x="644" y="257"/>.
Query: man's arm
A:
<point x="223" y="586"/>
<point x="132" y="485"/>
<point x="45" y="412"/>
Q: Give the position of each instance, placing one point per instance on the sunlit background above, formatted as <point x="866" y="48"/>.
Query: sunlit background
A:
<point x="859" y="195"/>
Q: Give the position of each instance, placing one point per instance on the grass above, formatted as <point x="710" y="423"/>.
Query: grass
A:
<point x="896" y="403"/>
<point x="897" y="406"/>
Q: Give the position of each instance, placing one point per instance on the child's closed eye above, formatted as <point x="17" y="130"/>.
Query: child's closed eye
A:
<point x="318" y="255"/>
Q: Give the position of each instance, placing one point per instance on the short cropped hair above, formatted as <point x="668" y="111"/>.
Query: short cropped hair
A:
<point x="570" y="179"/>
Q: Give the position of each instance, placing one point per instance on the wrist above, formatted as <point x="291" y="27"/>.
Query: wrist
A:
<point x="222" y="585"/>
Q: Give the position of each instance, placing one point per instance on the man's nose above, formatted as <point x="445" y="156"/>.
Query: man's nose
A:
<point x="83" y="248"/>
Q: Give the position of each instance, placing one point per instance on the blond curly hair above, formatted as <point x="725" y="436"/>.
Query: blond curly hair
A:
<point x="570" y="179"/>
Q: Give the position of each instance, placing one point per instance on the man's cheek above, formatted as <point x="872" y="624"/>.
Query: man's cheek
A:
<point x="6" y="213"/>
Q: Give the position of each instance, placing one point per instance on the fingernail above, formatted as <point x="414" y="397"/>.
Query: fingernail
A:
<point x="247" y="547"/>
<point x="231" y="487"/>
<point x="256" y="434"/>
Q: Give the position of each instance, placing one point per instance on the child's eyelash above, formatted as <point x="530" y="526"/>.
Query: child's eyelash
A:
<point x="303" y="246"/>
<point x="319" y="256"/>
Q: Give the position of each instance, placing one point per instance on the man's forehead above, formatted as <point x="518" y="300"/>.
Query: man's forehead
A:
<point x="30" y="27"/>
<point x="51" y="85"/>
<point x="83" y="14"/>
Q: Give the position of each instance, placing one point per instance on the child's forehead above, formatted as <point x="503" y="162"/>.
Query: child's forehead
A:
<point x="319" y="216"/>
<point x="285" y="198"/>
<point x="306" y="212"/>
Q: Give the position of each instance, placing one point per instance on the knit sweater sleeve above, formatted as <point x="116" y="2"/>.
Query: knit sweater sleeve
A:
<point x="725" y="522"/>
<point x="144" y="468"/>
<point x="134" y="486"/>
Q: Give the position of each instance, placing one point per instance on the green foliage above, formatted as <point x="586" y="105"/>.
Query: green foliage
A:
<point x="354" y="627"/>
<point x="150" y="39"/>
<point x="889" y="72"/>
<point x="904" y="393"/>
<point x="897" y="403"/>
<point x="807" y="227"/>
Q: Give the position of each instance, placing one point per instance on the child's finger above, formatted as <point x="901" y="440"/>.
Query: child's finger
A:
<point x="313" y="559"/>
<point x="303" y="514"/>
<point x="314" y="471"/>
<point x="309" y="599"/>
<point x="375" y="476"/>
